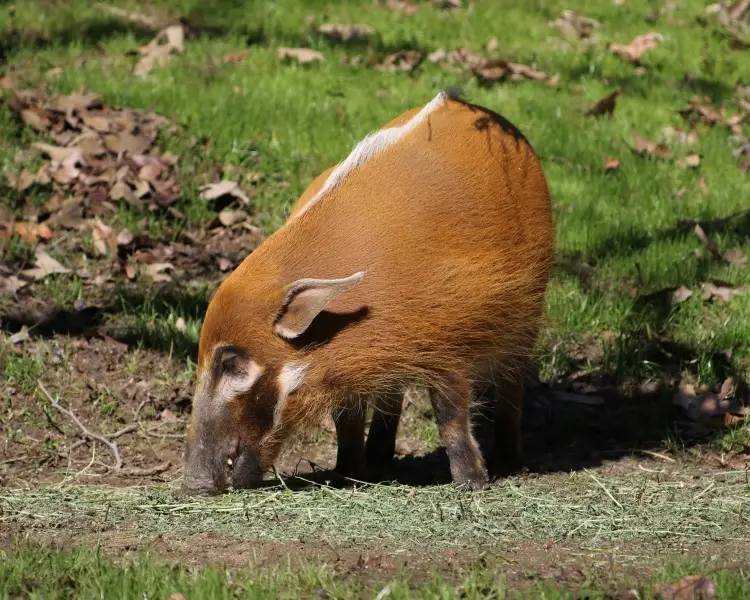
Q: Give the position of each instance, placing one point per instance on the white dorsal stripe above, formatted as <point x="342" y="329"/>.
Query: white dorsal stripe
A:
<point x="373" y="144"/>
<point x="289" y="380"/>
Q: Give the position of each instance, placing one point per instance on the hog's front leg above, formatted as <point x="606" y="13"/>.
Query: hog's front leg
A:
<point x="350" y="432"/>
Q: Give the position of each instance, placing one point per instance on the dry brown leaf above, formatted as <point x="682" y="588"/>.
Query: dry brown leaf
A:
<point x="720" y="291"/>
<point x="346" y="33"/>
<point x="45" y="265"/>
<point x="498" y="70"/>
<point x="229" y="217"/>
<point x="605" y="106"/>
<point x="69" y="214"/>
<point x="127" y="142"/>
<point x="728" y="388"/>
<point x="224" y="264"/>
<point x="156" y="271"/>
<point x="735" y="256"/>
<point x="574" y="25"/>
<point x="124" y="238"/>
<point x="36" y="118"/>
<point x="702" y="111"/>
<point x="679" y="136"/>
<point x="689" y="162"/>
<point x="405" y="60"/>
<point x="214" y="191"/>
<point x="303" y="56"/>
<point x="151" y="171"/>
<point x="98" y="123"/>
<point x="56" y="153"/>
<point x="680" y="295"/>
<point x="235" y="57"/>
<point x="706" y="406"/>
<point x="20" y="336"/>
<point x="31" y="232"/>
<point x="643" y="146"/>
<point x="690" y="587"/>
<point x="611" y="164"/>
<point x="158" y="52"/>
<point x="122" y="191"/>
<point x="72" y="103"/>
<point x="9" y="286"/>
<point x="130" y="271"/>
<point x="105" y="240"/>
<point x="637" y="48"/>
<point x="24" y="180"/>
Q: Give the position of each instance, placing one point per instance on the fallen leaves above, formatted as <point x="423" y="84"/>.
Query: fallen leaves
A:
<point x="303" y="56"/>
<point x="680" y="294"/>
<point x="732" y="256"/>
<point x="157" y="271"/>
<point x="709" y="407"/>
<point x="644" y="146"/>
<point x="346" y="33"/>
<point x="701" y="110"/>
<point x="605" y="106"/>
<point x="405" y="60"/>
<point x="105" y="240"/>
<point x="45" y="265"/>
<point x="29" y="232"/>
<point x="611" y="164"/>
<point x="574" y="25"/>
<point x="214" y="191"/>
<point x="721" y="291"/>
<point x="690" y="587"/>
<point x="102" y="154"/>
<point x="499" y="70"/>
<point x="691" y="161"/>
<point x="635" y="50"/>
<point x="158" y="52"/>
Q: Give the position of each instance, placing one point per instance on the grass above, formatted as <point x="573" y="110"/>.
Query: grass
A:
<point x="619" y="240"/>
<point x="86" y="573"/>
<point x="576" y="506"/>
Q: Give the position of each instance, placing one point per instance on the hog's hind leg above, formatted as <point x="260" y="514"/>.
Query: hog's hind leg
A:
<point x="381" y="441"/>
<point x="451" y="401"/>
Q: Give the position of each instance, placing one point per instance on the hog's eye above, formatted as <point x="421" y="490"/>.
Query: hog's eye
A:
<point x="229" y="363"/>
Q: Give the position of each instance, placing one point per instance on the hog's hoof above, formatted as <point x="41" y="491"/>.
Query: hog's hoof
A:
<point x="348" y="470"/>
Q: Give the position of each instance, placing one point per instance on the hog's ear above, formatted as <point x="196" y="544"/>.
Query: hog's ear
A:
<point x="305" y="299"/>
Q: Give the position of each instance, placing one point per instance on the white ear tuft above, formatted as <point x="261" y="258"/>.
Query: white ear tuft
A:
<point x="305" y="299"/>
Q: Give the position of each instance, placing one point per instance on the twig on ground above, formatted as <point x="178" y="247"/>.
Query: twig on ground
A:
<point x="658" y="455"/>
<point x="155" y="470"/>
<point x="113" y="447"/>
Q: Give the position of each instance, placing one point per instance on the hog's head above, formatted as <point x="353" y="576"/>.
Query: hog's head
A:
<point x="253" y="381"/>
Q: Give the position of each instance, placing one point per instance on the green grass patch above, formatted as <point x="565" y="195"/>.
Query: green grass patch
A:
<point x="31" y="572"/>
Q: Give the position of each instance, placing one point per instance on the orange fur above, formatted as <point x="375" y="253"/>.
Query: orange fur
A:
<point x="452" y="226"/>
